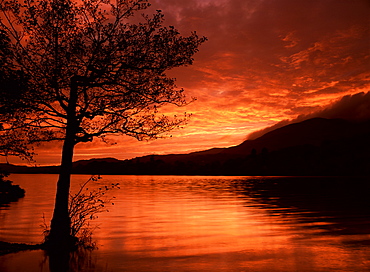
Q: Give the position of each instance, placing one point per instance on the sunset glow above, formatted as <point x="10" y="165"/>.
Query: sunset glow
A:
<point x="264" y="62"/>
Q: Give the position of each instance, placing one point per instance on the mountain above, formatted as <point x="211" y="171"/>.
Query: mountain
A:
<point x="309" y="132"/>
<point x="315" y="132"/>
<point x="316" y="146"/>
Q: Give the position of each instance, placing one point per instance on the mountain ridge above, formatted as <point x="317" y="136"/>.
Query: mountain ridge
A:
<point x="317" y="146"/>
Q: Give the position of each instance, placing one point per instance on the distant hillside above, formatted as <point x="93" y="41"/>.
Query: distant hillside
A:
<point x="309" y="132"/>
<point x="316" y="146"/>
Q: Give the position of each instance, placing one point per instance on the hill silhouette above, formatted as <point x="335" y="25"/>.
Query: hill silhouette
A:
<point x="317" y="146"/>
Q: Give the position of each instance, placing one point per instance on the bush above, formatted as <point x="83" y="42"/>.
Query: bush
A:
<point x="83" y="208"/>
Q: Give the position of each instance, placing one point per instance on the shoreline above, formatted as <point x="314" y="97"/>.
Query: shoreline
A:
<point x="6" y="248"/>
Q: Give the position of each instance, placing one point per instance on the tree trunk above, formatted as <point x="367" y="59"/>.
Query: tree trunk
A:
<point x="60" y="227"/>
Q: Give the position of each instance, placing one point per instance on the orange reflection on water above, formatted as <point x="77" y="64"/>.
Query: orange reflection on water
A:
<point x="204" y="224"/>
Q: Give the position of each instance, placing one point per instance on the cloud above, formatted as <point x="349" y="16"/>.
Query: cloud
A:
<point x="273" y="60"/>
<point x="350" y="107"/>
<point x="301" y="49"/>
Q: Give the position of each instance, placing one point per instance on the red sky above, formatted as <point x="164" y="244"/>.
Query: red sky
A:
<point x="265" y="61"/>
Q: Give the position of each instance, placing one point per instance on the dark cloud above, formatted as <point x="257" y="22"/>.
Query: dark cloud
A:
<point x="350" y="107"/>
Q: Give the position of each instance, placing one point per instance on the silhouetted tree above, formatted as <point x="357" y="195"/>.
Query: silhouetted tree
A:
<point x="92" y="71"/>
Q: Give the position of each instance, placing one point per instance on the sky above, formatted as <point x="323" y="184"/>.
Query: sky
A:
<point x="266" y="62"/>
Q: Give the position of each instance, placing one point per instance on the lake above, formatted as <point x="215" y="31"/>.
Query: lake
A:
<point x="196" y="223"/>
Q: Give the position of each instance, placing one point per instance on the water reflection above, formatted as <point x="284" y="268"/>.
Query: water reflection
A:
<point x="335" y="205"/>
<point x="206" y="224"/>
<point x="59" y="260"/>
<point x="42" y="261"/>
<point x="64" y="261"/>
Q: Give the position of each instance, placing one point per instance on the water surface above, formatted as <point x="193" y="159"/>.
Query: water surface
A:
<point x="180" y="223"/>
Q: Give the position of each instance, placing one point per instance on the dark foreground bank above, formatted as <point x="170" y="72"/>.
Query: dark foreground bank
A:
<point x="6" y="248"/>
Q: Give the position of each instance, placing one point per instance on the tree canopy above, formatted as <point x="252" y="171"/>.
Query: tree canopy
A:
<point x="89" y="55"/>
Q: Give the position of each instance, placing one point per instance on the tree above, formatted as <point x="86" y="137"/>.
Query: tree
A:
<point x="91" y="71"/>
